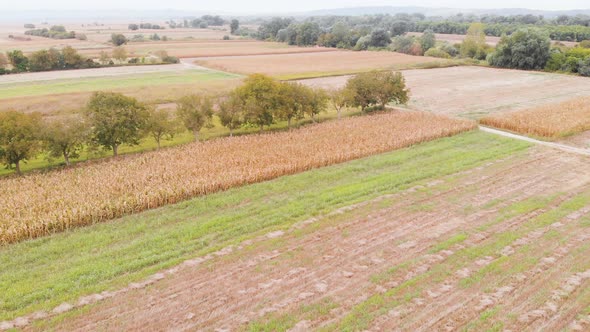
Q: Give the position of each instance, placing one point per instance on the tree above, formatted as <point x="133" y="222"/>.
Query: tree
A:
<point x="115" y="119"/>
<point x="307" y="33"/>
<point x="314" y="101"/>
<point x="376" y="88"/>
<point x="527" y="49"/>
<point x="380" y="38"/>
<point x="18" y="60"/>
<point x="231" y="112"/>
<point x="71" y="58"/>
<point x="195" y="112"/>
<point x="65" y="138"/>
<point x="428" y="40"/>
<point x="44" y="60"/>
<point x="3" y="61"/>
<point x="339" y="99"/>
<point x="399" y="28"/>
<point x="118" y="39"/>
<point x="161" y="126"/>
<point x="391" y="87"/>
<point x="19" y="138"/>
<point x="291" y="96"/>
<point x="234" y="26"/>
<point x="259" y="93"/>
<point x="474" y="42"/>
<point x="120" y="53"/>
<point x="104" y="58"/>
<point x="133" y="26"/>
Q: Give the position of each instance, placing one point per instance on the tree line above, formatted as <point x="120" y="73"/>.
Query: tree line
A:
<point x="110" y="120"/>
<point x="55" y="32"/>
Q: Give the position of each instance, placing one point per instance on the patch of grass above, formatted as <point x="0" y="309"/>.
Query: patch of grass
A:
<point x="283" y="322"/>
<point x="43" y="273"/>
<point x="456" y="239"/>
<point x="109" y="83"/>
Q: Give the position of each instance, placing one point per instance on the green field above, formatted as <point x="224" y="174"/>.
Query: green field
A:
<point x="43" y="273"/>
<point x="109" y="83"/>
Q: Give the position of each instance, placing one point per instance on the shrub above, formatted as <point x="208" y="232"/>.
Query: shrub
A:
<point x="585" y="44"/>
<point x="226" y="37"/>
<point x="584" y="67"/>
<point x="437" y="53"/>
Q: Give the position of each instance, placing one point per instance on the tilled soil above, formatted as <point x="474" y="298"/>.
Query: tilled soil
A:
<point x="524" y="274"/>
<point x="476" y="91"/>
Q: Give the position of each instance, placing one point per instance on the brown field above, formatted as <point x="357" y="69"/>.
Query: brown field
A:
<point x="490" y="40"/>
<point x="499" y="247"/>
<point x="45" y="203"/>
<point x="475" y="92"/>
<point x="550" y="121"/>
<point x="318" y="64"/>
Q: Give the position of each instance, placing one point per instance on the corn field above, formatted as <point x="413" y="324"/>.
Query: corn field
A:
<point x="551" y="121"/>
<point x="44" y="203"/>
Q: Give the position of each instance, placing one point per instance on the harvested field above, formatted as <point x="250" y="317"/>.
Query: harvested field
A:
<point x="503" y="245"/>
<point x="551" y="121"/>
<point x="47" y="203"/>
<point x="291" y="66"/>
<point x="475" y="92"/>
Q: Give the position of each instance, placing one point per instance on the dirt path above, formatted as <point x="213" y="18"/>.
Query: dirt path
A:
<point x="337" y="262"/>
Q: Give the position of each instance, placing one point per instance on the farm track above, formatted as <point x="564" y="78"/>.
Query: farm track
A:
<point x="337" y="261"/>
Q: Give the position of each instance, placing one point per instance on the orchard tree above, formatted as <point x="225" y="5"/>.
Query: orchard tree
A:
<point x="290" y="101"/>
<point x="339" y="99"/>
<point x="19" y="138"/>
<point x="195" y="112"/>
<point x="526" y="48"/>
<point x="314" y="101"/>
<point x="65" y="138"/>
<point x="362" y="89"/>
<point x="231" y="112"/>
<point x="259" y="93"/>
<point x="391" y="88"/>
<point x="115" y="119"/>
<point x="234" y="26"/>
<point x="160" y="125"/>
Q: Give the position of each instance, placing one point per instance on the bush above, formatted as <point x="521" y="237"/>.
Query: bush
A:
<point x="363" y="43"/>
<point x="585" y="44"/>
<point x="584" y="67"/>
<point x="437" y="53"/>
<point x="450" y="49"/>
<point x="226" y="37"/>
<point x="556" y="61"/>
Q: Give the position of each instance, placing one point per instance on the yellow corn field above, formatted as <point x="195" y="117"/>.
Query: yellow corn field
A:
<point x="551" y="121"/>
<point x="43" y="203"/>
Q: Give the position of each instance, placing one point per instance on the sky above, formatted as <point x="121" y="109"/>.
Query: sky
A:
<point x="270" y="6"/>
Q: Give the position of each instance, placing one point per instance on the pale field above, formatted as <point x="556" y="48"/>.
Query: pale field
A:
<point x="475" y="92"/>
<point x="318" y="64"/>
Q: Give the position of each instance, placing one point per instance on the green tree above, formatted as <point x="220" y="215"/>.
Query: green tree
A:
<point x="19" y="62"/>
<point x="71" y="58"/>
<point x="428" y="40"/>
<point x="307" y="34"/>
<point x="231" y="112"/>
<point x="474" y="42"/>
<point x="361" y="88"/>
<point x="234" y="26"/>
<point x="291" y="96"/>
<point x="314" y="101"/>
<point x="160" y="125"/>
<point x="118" y="39"/>
<point x="115" y="119"/>
<point x="527" y="49"/>
<point x="65" y="138"/>
<point x="44" y="60"/>
<point x="259" y="93"/>
<point x="19" y="138"/>
<point x="195" y="112"/>
<point x="339" y="99"/>
<point x="390" y="88"/>
<point x="379" y="38"/>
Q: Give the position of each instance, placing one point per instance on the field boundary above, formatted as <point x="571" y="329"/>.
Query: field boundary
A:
<point x="558" y="146"/>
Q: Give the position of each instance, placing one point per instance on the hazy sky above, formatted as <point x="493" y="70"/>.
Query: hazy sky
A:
<point x="262" y="6"/>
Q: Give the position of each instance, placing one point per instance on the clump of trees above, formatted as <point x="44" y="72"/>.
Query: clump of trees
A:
<point x="525" y="49"/>
<point x="205" y="21"/>
<point x="474" y="45"/>
<point x="570" y="60"/>
<point x="55" y="32"/>
<point x="147" y="26"/>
